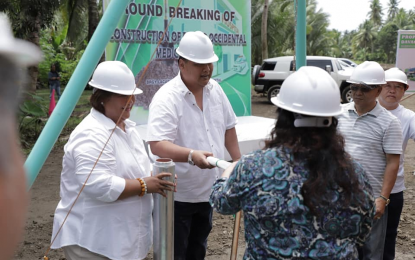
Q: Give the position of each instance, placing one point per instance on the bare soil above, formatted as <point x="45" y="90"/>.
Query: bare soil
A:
<point x="45" y="197"/>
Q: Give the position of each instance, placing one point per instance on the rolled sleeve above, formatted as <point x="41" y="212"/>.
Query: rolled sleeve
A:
<point x="230" y="117"/>
<point x="117" y="186"/>
<point x="103" y="184"/>
<point x="162" y="123"/>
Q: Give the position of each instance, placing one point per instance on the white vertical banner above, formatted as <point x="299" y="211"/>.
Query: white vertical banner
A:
<point x="405" y="55"/>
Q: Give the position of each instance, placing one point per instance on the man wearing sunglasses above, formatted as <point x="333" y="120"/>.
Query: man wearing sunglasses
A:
<point x="391" y="95"/>
<point x="373" y="137"/>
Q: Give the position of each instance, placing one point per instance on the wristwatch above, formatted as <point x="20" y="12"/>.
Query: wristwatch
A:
<point x="189" y="158"/>
<point x="385" y="199"/>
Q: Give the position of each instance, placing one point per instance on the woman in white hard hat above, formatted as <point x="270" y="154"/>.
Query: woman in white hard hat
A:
<point x="303" y="196"/>
<point x="15" y="54"/>
<point x="112" y="218"/>
<point x="392" y="93"/>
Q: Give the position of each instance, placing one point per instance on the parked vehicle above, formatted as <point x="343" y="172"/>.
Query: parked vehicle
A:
<point x="350" y="62"/>
<point x="268" y="77"/>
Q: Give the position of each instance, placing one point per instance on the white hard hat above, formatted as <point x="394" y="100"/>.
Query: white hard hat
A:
<point x="369" y="73"/>
<point x="309" y="91"/>
<point x="197" y="47"/>
<point x="396" y="75"/>
<point x="115" y="77"/>
<point x="22" y="52"/>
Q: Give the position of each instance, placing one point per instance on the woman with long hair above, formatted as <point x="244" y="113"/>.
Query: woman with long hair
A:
<point x="302" y="196"/>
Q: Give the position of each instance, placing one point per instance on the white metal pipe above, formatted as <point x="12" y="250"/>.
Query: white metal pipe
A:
<point x="218" y="162"/>
<point x="163" y="215"/>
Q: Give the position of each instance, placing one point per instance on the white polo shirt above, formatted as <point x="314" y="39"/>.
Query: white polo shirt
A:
<point x="407" y="119"/>
<point x="117" y="229"/>
<point x="369" y="138"/>
<point x="174" y="116"/>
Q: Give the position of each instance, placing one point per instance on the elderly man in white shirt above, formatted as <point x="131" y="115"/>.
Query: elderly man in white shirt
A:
<point x="190" y="119"/>
<point x="389" y="98"/>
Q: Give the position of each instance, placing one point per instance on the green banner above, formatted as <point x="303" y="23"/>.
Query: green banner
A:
<point x="405" y="56"/>
<point x="407" y="41"/>
<point x="226" y="22"/>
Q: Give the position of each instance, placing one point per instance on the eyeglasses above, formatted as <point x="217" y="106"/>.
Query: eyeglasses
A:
<point x="362" y="87"/>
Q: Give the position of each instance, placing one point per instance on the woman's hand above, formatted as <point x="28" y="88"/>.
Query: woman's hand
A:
<point x="156" y="184"/>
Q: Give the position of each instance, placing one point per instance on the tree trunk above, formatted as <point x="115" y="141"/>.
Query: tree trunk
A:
<point x="264" y="39"/>
<point x="92" y="17"/>
<point x="93" y="21"/>
<point x="34" y="37"/>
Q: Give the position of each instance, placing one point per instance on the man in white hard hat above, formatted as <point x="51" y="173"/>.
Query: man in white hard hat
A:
<point x="373" y="137"/>
<point x="190" y="119"/>
<point x="391" y="95"/>
<point x="15" y="54"/>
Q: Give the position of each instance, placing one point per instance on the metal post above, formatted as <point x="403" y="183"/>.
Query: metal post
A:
<point x="74" y="89"/>
<point x="300" y="37"/>
<point x="163" y="215"/>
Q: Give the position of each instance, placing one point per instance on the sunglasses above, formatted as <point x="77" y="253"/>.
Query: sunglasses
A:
<point x="362" y="87"/>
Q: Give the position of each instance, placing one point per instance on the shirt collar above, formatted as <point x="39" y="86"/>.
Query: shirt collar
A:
<point x="374" y="112"/>
<point x="181" y="87"/>
<point x="107" y="122"/>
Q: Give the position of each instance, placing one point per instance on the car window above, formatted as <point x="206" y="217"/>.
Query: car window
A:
<point x="268" y="65"/>
<point x="347" y="62"/>
<point x="320" y="63"/>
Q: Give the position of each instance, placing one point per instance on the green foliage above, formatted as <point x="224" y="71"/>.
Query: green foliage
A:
<point x="31" y="119"/>
<point x="375" y="14"/>
<point x="28" y="16"/>
<point x="66" y="63"/>
<point x="374" y="39"/>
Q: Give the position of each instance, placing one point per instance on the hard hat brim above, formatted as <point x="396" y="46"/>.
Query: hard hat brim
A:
<point x="22" y="52"/>
<point x="367" y="83"/>
<point x="137" y="91"/>
<point x="276" y="102"/>
<point x="398" y="80"/>
<point x="212" y="59"/>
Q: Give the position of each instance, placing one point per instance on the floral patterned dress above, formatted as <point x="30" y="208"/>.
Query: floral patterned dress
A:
<point x="266" y="185"/>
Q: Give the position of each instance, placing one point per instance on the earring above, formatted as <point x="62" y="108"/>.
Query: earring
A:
<point x="102" y="103"/>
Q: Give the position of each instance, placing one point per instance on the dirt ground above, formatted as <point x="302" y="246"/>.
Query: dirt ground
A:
<point x="45" y="197"/>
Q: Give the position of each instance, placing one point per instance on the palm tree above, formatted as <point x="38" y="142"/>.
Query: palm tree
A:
<point x="318" y="42"/>
<point x="280" y="24"/>
<point x="403" y="20"/>
<point x="82" y="19"/>
<point x="264" y="30"/>
<point x="365" y="37"/>
<point x="393" y="9"/>
<point x="375" y="14"/>
<point x="93" y="17"/>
